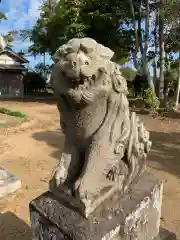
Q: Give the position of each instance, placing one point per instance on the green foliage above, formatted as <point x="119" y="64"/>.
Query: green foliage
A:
<point x="99" y="19"/>
<point x="171" y="11"/>
<point x="128" y="73"/>
<point x="40" y="68"/>
<point x="139" y="84"/>
<point x="150" y="99"/>
<point x="2" y="16"/>
<point x="12" y="113"/>
<point x="171" y="79"/>
<point x="111" y="24"/>
<point x="21" y="53"/>
<point x="53" y="29"/>
<point x="9" y="37"/>
<point x="169" y="105"/>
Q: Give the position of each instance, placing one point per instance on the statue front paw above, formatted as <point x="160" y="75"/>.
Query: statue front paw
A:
<point x="77" y="185"/>
<point x="119" y="149"/>
<point x="59" y="175"/>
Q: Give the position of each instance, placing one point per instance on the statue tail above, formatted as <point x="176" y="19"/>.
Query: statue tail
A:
<point x="137" y="149"/>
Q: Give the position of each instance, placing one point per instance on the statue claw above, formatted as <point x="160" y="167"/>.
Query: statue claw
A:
<point x="77" y="185"/>
<point x="59" y="175"/>
<point x="119" y="149"/>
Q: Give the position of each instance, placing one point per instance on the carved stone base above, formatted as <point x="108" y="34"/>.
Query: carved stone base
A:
<point x="135" y="215"/>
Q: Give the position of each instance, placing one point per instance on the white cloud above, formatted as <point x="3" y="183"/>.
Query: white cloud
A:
<point x="21" y="14"/>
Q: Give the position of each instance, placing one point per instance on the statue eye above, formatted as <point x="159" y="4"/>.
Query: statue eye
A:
<point x="86" y="62"/>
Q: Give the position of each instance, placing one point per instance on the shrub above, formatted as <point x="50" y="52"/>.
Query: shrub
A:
<point x="169" y="105"/>
<point x="150" y="99"/>
<point x="128" y="73"/>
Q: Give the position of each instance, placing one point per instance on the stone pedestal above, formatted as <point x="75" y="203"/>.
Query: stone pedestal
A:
<point x="133" y="216"/>
<point x="9" y="183"/>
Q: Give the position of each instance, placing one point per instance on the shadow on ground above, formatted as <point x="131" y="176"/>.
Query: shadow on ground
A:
<point x="165" y="153"/>
<point x="52" y="138"/>
<point x="13" y="228"/>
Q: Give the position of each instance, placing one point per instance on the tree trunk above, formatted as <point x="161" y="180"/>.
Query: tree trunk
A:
<point x="162" y="59"/>
<point x="178" y="88"/>
<point x="135" y="52"/>
<point x="145" y="48"/>
<point x="166" y="81"/>
<point x="44" y="62"/>
<point x="140" y="35"/>
<point x="156" y="51"/>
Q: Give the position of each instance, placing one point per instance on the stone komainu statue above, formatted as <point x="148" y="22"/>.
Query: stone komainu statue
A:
<point x="105" y="146"/>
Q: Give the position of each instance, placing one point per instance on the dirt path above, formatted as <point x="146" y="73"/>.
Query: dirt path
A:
<point x="32" y="151"/>
<point x="164" y="161"/>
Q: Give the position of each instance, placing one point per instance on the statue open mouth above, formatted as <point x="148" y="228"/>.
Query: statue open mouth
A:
<point x="82" y="83"/>
<point x="78" y="81"/>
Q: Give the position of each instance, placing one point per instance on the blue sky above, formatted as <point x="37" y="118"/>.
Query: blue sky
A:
<point x="21" y="14"/>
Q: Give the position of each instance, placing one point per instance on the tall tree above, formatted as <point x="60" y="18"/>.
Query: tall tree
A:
<point x="43" y="69"/>
<point x="162" y="57"/>
<point x="79" y="19"/>
<point x="136" y="48"/>
<point x="146" y="44"/>
<point x="172" y="36"/>
<point x="6" y="39"/>
<point x="178" y="88"/>
<point x="2" y="16"/>
<point x="141" y="13"/>
<point x="155" y="46"/>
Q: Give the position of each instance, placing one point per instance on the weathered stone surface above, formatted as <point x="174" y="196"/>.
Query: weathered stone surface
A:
<point x="43" y="229"/>
<point x="106" y="146"/>
<point x="134" y="215"/>
<point x="9" y="183"/>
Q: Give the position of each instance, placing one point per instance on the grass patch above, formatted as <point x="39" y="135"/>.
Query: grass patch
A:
<point x="5" y="125"/>
<point x="10" y="118"/>
<point x="12" y="113"/>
